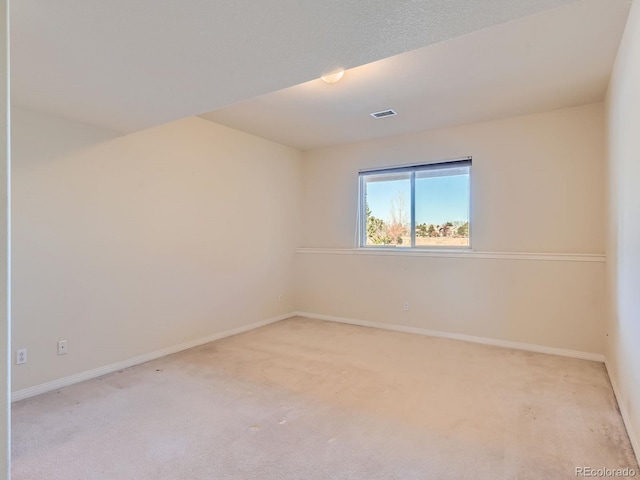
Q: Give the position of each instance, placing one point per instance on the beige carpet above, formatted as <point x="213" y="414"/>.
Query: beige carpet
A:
<point x="306" y="399"/>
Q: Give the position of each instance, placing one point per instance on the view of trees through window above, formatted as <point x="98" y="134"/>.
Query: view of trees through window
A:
<point x="438" y="196"/>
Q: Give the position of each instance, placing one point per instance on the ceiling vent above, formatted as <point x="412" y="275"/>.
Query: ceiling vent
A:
<point x="384" y="113"/>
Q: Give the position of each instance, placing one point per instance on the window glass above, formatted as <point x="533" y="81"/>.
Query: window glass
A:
<point x="388" y="209"/>
<point x="442" y="207"/>
<point x="417" y="206"/>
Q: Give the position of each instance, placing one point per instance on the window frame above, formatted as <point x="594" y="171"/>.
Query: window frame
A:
<point x="412" y="169"/>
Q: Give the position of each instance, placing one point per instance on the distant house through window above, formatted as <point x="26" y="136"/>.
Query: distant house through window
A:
<point x="416" y="206"/>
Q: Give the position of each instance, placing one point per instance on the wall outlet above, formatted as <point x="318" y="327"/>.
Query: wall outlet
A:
<point x="21" y="356"/>
<point x="280" y="298"/>
<point x="62" y="347"/>
<point x="406" y="306"/>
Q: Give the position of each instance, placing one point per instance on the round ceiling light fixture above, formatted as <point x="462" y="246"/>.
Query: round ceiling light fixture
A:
<point x="333" y="77"/>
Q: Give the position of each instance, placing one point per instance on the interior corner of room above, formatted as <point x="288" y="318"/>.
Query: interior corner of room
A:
<point x="148" y="218"/>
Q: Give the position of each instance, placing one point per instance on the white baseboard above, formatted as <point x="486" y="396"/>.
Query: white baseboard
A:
<point x="114" y="367"/>
<point x="633" y="438"/>
<point x="596" y="357"/>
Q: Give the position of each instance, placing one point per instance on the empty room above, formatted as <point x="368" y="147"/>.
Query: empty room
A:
<point x="320" y="240"/>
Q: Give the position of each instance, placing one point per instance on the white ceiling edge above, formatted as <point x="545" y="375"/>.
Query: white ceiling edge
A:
<point x="126" y="66"/>
<point x="555" y="59"/>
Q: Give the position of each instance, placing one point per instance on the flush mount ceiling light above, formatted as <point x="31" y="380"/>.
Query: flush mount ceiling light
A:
<point x="333" y="77"/>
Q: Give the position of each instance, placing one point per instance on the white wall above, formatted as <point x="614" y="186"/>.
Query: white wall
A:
<point x="623" y="249"/>
<point x="537" y="186"/>
<point x="5" y="320"/>
<point x="127" y="245"/>
<point x="537" y="181"/>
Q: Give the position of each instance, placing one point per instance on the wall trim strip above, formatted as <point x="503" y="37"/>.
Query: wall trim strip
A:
<point x="459" y="253"/>
<point x="529" y="347"/>
<point x="114" y="367"/>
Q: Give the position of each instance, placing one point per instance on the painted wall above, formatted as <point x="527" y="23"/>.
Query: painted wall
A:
<point x="127" y="245"/>
<point x="623" y="247"/>
<point x="537" y="186"/>
<point x="5" y="320"/>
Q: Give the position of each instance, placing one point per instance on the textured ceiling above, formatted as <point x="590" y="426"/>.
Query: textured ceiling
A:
<point x="127" y="65"/>
<point x="554" y="59"/>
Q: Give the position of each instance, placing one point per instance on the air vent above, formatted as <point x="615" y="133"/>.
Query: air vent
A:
<point x="384" y="113"/>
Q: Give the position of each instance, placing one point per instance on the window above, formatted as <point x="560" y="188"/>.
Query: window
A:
<point x="416" y="206"/>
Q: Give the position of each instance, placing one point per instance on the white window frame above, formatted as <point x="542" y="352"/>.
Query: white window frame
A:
<point x="412" y="169"/>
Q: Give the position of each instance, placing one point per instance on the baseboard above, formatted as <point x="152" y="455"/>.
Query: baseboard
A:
<point x="97" y="372"/>
<point x="114" y="367"/>
<point x="633" y="438"/>
<point x="596" y="357"/>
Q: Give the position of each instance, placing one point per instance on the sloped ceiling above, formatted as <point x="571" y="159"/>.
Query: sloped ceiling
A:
<point x="130" y="64"/>
<point x="559" y="58"/>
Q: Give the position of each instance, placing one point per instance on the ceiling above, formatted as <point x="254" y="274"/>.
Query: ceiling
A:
<point x="559" y="58"/>
<point x="128" y="65"/>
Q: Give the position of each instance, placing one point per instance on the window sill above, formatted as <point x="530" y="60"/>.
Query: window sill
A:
<point x="459" y="252"/>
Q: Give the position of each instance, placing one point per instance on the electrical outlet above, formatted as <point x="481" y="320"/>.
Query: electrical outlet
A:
<point x="62" y="347"/>
<point x="406" y="306"/>
<point x="21" y="356"/>
<point x="280" y="298"/>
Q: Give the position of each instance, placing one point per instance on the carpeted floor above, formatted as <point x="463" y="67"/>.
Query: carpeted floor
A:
<point x="306" y="399"/>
